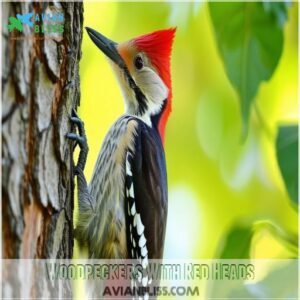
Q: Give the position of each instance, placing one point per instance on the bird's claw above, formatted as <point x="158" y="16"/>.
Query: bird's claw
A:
<point x="75" y="137"/>
<point x="74" y="113"/>
<point x="76" y="121"/>
<point x="80" y="140"/>
<point x="74" y="118"/>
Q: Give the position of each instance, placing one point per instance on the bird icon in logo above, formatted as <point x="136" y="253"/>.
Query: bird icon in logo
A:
<point x="14" y="24"/>
<point x="17" y="23"/>
<point x="25" y="19"/>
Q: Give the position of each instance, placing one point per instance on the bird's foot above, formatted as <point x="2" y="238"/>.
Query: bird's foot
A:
<point x="80" y="140"/>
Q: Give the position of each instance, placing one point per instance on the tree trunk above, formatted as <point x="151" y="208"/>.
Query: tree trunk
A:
<point x="40" y="85"/>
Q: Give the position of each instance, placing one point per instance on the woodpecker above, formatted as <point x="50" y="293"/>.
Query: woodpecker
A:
<point x="123" y="210"/>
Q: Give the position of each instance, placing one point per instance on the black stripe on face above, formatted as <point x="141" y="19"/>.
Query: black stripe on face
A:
<point x="139" y="95"/>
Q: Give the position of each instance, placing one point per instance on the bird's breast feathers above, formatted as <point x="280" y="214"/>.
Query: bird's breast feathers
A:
<point x="107" y="190"/>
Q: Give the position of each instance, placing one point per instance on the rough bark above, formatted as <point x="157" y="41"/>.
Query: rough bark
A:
<point x="40" y="85"/>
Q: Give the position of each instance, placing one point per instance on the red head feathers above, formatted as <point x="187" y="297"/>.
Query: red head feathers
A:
<point x="157" y="46"/>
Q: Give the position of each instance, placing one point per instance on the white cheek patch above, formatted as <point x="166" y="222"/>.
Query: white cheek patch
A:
<point x="153" y="87"/>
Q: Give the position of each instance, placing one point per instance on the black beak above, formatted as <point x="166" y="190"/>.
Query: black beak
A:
<point x="107" y="46"/>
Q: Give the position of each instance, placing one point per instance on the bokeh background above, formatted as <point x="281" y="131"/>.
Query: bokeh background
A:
<point x="227" y="197"/>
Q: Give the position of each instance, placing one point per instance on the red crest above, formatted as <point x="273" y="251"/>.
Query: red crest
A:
<point x="158" y="46"/>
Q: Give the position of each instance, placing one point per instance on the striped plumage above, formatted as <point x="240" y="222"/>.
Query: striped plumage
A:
<point x="105" y="229"/>
<point x="128" y="189"/>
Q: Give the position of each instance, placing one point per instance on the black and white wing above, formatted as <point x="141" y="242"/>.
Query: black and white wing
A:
<point x="146" y="196"/>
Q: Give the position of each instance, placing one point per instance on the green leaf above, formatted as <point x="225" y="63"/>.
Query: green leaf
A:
<point x="237" y="244"/>
<point x="278" y="9"/>
<point x="250" y="41"/>
<point x="281" y="282"/>
<point x="287" y="156"/>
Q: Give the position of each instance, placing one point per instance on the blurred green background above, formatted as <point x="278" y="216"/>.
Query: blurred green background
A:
<point x="227" y="196"/>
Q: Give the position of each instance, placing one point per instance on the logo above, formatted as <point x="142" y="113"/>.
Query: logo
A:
<point x="46" y="23"/>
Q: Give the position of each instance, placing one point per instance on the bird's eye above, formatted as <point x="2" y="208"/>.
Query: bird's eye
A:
<point x="138" y="62"/>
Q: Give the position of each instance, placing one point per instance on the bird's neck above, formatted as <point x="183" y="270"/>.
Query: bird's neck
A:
<point x="155" y="118"/>
<point x="154" y="121"/>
